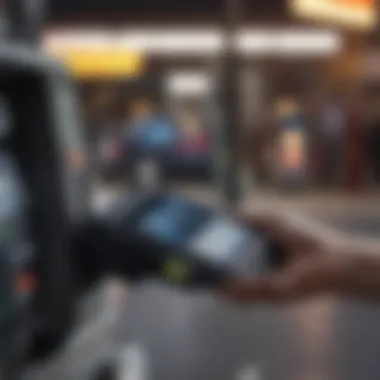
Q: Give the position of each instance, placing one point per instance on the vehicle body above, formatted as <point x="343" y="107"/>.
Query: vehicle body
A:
<point x="109" y="155"/>
<point x="45" y="197"/>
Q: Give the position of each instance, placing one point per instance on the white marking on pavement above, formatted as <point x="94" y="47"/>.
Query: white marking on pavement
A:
<point x="133" y="363"/>
<point x="249" y="373"/>
<point x="101" y="200"/>
<point x="148" y="174"/>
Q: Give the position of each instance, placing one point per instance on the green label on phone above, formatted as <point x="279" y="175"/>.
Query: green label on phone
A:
<point x="176" y="271"/>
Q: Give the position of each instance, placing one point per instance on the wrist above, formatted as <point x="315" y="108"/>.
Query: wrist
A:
<point x="357" y="264"/>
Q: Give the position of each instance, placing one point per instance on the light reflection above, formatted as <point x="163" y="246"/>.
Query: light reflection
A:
<point x="314" y="323"/>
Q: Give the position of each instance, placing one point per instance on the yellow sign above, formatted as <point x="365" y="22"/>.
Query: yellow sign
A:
<point x="176" y="271"/>
<point x="101" y="63"/>
<point x="360" y="14"/>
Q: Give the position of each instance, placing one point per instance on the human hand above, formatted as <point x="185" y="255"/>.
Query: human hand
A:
<point x="314" y="263"/>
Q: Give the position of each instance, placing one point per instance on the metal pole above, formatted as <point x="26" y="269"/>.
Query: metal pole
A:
<point x="227" y="135"/>
<point x="25" y="19"/>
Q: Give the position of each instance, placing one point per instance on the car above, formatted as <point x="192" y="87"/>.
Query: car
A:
<point x="165" y="150"/>
<point x="110" y="156"/>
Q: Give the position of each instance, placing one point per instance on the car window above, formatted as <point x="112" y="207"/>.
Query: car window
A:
<point x="71" y="138"/>
<point x="71" y="132"/>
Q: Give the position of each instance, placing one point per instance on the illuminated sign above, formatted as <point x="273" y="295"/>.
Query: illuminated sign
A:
<point x="98" y="62"/>
<point x="188" y="83"/>
<point x="351" y="13"/>
<point x="200" y="42"/>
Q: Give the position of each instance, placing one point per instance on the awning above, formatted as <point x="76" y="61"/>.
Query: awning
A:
<point x="205" y="42"/>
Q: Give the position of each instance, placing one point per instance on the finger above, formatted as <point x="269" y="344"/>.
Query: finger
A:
<point x="300" y="279"/>
<point x="247" y="290"/>
<point x="270" y="226"/>
<point x="275" y="288"/>
<point x="306" y="277"/>
<point x="311" y="231"/>
<point x="293" y="229"/>
<point x="263" y="219"/>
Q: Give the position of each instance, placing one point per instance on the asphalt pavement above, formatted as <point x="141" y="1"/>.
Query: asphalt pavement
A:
<point x="198" y="337"/>
<point x="166" y="334"/>
<point x="188" y="336"/>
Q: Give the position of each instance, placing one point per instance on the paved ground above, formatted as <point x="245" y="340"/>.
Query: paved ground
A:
<point x="317" y="202"/>
<point x="188" y="336"/>
<point x="178" y="336"/>
<point x="359" y="212"/>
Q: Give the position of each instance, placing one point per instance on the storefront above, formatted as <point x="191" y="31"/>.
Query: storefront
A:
<point x="275" y="62"/>
<point x="101" y="68"/>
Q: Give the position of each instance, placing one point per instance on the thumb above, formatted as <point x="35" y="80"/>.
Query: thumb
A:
<point x="263" y="218"/>
<point x="305" y="277"/>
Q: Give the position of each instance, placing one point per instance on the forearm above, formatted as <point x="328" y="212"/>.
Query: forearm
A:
<point x="360" y="269"/>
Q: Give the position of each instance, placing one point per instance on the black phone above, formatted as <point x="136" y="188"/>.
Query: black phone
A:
<point x="184" y="243"/>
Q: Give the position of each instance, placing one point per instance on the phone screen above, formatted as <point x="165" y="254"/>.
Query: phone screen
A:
<point x="213" y="237"/>
<point x="221" y="240"/>
<point x="174" y="221"/>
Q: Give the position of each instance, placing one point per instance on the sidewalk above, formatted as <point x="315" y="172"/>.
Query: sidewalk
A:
<point x="324" y="203"/>
<point x="362" y="205"/>
<point x="321" y="203"/>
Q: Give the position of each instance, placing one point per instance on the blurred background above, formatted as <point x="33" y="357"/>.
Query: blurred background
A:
<point x="296" y="83"/>
<point x="275" y="101"/>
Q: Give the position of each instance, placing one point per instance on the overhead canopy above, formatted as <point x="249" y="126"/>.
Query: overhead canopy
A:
<point x="138" y="10"/>
<point x="199" y="41"/>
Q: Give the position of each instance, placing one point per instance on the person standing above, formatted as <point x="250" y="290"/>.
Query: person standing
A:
<point x="149" y="137"/>
<point x="373" y="146"/>
<point x="332" y="125"/>
<point x="292" y="145"/>
<point x="149" y="130"/>
<point x="98" y="122"/>
<point x="354" y="148"/>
